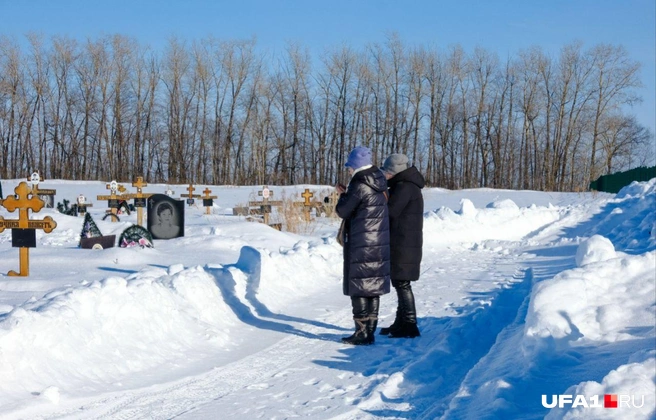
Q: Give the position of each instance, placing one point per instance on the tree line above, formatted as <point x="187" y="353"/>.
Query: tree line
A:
<point x="222" y="112"/>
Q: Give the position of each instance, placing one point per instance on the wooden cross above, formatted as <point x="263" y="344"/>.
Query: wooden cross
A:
<point x="265" y="204"/>
<point x="330" y="205"/>
<point x="208" y="200"/>
<point x="306" y="204"/>
<point x="112" y="186"/>
<point x="23" y="226"/>
<point x="139" y="198"/>
<point x="82" y="204"/>
<point x="265" y="194"/>
<point x="307" y="195"/>
<point x="112" y="199"/>
<point x="191" y="195"/>
<point x="191" y="189"/>
<point x="35" y="179"/>
<point x="139" y="183"/>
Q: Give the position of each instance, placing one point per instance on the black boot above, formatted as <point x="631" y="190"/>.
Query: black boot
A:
<point x="399" y="312"/>
<point x="361" y="318"/>
<point x="408" y="327"/>
<point x="396" y="324"/>
<point x="372" y="321"/>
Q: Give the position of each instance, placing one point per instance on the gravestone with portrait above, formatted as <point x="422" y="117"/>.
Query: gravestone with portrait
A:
<point x="165" y="217"/>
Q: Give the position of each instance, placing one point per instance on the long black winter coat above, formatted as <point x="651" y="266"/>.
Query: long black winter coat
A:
<point x="406" y="213"/>
<point x="367" y="243"/>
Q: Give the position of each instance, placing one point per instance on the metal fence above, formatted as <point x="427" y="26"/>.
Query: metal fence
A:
<point x="613" y="183"/>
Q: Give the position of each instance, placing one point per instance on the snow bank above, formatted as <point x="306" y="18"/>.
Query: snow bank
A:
<point x="595" y="249"/>
<point x="104" y="330"/>
<point x="277" y="278"/>
<point x="499" y="220"/>
<point x="597" y="302"/>
<point x="630" y="220"/>
<point x="633" y="382"/>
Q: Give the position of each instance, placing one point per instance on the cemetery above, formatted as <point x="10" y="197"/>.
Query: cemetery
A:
<point x="323" y="210"/>
<point x="278" y="214"/>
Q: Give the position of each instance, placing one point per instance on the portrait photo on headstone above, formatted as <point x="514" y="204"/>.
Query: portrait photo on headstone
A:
<point x="165" y="217"/>
<point x="48" y="200"/>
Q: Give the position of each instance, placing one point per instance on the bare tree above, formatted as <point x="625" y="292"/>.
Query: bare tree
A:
<point x="617" y="76"/>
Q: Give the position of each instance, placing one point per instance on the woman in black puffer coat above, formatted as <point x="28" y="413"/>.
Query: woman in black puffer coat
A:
<point x="363" y="206"/>
<point x="406" y="213"/>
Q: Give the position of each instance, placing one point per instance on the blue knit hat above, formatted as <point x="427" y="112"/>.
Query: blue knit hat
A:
<point x="359" y="157"/>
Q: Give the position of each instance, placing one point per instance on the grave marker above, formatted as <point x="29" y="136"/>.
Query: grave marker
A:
<point x="165" y="217"/>
<point x="329" y="203"/>
<point x="139" y="198"/>
<point x="82" y="204"/>
<point x="307" y="204"/>
<point x="91" y="238"/>
<point x="265" y="205"/>
<point x="113" y="199"/>
<point x="191" y="195"/>
<point x="208" y="200"/>
<point x="47" y="196"/>
<point x="23" y="233"/>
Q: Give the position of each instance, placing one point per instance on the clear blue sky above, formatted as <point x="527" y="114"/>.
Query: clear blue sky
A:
<point x="504" y="26"/>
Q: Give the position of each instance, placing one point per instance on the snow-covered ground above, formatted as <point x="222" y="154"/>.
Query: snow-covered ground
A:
<point x="525" y="297"/>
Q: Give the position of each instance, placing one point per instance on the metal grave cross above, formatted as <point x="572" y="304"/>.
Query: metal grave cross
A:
<point x="23" y="229"/>
<point x="208" y="200"/>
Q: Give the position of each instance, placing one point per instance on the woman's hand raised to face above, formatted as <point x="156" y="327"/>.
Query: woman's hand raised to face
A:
<point x="341" y="188"/>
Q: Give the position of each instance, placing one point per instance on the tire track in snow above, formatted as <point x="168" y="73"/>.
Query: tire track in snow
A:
<point x="469" y="340"/>
<point x="185" y="395"/>
<point x="441" y="357"/>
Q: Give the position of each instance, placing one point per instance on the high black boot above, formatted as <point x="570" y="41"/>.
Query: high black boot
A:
<point x="361" y="318"/>
<point x="399" y="312"/>
<point x="372" y="321"/>
<point x="408" y="327"/>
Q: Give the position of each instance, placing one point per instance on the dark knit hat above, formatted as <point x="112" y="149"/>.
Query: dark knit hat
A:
<point x="395" y="163"/>
<point x="359" y="157"/>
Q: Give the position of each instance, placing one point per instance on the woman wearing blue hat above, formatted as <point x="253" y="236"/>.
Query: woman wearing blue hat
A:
<point x="363" y="206"/>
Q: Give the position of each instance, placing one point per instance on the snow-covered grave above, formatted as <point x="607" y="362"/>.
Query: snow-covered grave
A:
<point x="525" y="298"/>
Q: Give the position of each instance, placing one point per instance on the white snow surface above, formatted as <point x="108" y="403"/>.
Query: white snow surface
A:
<point x="522" y="294"/>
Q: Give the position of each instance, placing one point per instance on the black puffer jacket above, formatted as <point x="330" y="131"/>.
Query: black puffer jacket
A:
<point x="406" y="213"/>
<point x="367" y="244"/>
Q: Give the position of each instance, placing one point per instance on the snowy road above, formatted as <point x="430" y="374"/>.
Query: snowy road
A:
<point x="456" y="303"/>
